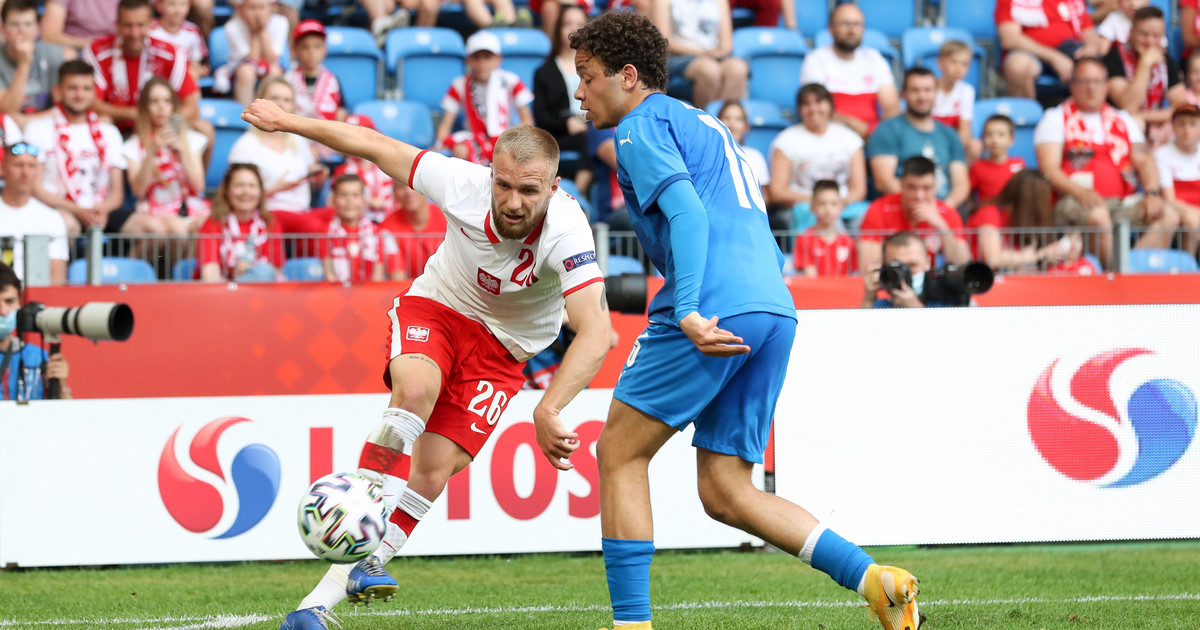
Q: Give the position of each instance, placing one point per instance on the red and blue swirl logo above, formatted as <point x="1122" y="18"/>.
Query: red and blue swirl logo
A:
<point x="1124" y="440"/>
<point x="198" y="505"/>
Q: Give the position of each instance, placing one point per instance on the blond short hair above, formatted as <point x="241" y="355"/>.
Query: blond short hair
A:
<point x="526" y="142"/>
<point x="954" y="47"/>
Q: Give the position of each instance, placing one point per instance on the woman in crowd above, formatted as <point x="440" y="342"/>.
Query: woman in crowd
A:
<point x="241" y="240"/>
<point x="733" y="114"/>
<point x="1013" y="230"/>
<point x="554" y="106"/>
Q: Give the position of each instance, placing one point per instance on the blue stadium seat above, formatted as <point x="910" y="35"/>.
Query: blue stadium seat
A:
<point x="618" y="265"/>
<point x="304" y="270"/>
<point x="407" y="121"/>
<point x="977" y="17"/>
<point x="425" y="61"/>
<point x="1025" y="114"/>
<point x="226" y="116"/>
<point x="891" y="17"/>
<point x="775" y="56"/>
<point x="812" y="17"/>
<point x="1161" y="261"/>
<point x="114" y="270"/>
<point x="871" y="39"/>
<point x="356" y="61"/>
<point x="184" y="270"/>
<point x="766" y="121"/>
<point x="920" y="47"/>
<point x="523" y="51"/>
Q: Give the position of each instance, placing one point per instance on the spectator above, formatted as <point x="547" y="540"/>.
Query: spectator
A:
<point x="1043" y="37"/>
<point x="954" y="104"/>
<point x="125" y="61"/>
<point x="241" y="240"/>
<point x="914" y="209"/>
<point x="172" y="26"/>
<point x="166" y="172"/>
<point x="733" y="115"/>
<point x="257" y="39"/>
<point x="28" y="65"/>
<point x="816" y="149"/>
<point x="286" y="162"/>
<point x="859" y="78"/>
<point x="377" y="184"/>
<point x="75" y="23"/>
<point x="1142" y="79"/>
<point x="915" y="132"/>
<point x="83" y="173"/>
<point x="1007" y="228"/>
<point x="22" y="215"/>
<point x="1189" y="23"/>
<point x="24" y="364"/>
<point x="555" y="109"/>
<point x="504" y="103"/>
<point x="770" y="13"/>
<point x="1178" y="165"/>
<point x="906" y="249"/>
<point x="1095" y="155"/>
<point x="991" y="172"/>
<point x="418" y="227"/>
<point x="1117" y="24"/>
<point x="825" y="250"/>
<point x="700" y="42"/>
<point x="1192" y="67"/>
<point x="385" y="15"/>
<point x="318" y="93"/>
<point x="353" y="250"/>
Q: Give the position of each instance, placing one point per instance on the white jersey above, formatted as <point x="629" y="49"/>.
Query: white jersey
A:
<point x="40" y="133"/>
<point x="1179" y="171"/>
<point x="32" y="218"/>
<point x="515" y="288"/>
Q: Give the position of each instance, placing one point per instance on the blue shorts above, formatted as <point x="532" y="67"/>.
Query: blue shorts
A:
<point x="730" y="400"/>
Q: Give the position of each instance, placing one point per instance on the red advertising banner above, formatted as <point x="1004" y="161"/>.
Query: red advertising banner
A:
<point x="295" y="338"/>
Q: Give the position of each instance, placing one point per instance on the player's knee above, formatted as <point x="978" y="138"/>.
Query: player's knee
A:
<point x="415" y="395"/>
<point x="720" y="503"/>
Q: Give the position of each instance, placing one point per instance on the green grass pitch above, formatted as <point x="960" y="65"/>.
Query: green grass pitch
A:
<point x="1117" y="586"/>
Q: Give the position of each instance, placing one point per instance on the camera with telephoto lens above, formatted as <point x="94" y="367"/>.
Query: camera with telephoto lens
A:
<point x="97" y="321"/>
<point x="953" y="285"/>
<point x="893" y="274"/>
<point x="626" y="293"/>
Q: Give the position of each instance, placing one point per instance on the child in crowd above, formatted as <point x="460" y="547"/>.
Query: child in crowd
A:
<point x="377" y="185"/>
<point x="505" y="102"/>
<point x="318" y="93"/>
<point x="172" y="25"/>
<point x="825" y="249"/>
<point x="955" y="104"/>
<point x="1191" y="72"/>
<point x="354" y="250"/>
<point x="991" y="172"/>
<point x="1179" y="171"/>
<point x="257" y="40"/>
<point x="1116" y="25"/>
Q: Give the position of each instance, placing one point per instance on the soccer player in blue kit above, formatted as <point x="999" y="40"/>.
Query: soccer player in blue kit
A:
<point x="699" y="214"/>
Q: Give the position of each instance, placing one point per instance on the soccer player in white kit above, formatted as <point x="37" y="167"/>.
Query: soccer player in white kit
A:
<point x="517" y="251"/>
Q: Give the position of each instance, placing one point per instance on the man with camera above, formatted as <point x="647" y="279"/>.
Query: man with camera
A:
<point x="909" y="282"/>
<point x="23" y="368"/>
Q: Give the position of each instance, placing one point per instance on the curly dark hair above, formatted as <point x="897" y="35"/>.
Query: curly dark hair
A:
<point x="622" y="37"/>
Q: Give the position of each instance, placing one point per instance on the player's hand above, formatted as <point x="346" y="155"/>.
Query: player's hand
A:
<point x="265" y="115"/>
<point x="711" y="341"/>
<point x="556" y="441"/>
<point x="56" y="367"/>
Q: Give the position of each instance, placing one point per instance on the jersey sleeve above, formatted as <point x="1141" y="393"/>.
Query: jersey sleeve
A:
<point x="647" y="152"/>
<point x="112" y="137"/>
<point x="573" y="258"/>
<point x="811" y="71"/>
<point x="1162" y="160"/>
<point x="1134" y="129"/>
<point x="448" y="181"/>
<point x="1050" y="129"/>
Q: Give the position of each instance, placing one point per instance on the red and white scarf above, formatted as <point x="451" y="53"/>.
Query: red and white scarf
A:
<point x="68" y="168"/>
<point x="1116" y="134"/>
<point x="496" y="106"/>
<point x="319" y="102"/>
<point x="377" y="183"/>
<point x="120" y="73"/>
<point x="1156" y="87"/>
<point x="1031" y="14"/>
<point x="170" y="190"/>
<point x="235" y="247"/>
<point x="348" y="253"/>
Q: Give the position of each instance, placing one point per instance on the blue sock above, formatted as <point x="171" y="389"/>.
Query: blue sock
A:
<point x="627" y="564"/>
<point x="843" y="561"/>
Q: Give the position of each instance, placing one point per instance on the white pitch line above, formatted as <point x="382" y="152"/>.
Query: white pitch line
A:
<point x="218" y="622"/>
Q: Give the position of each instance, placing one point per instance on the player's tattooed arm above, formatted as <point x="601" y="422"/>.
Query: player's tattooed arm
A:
<point x="604" y="301"/>
<point x="421" y="357"/>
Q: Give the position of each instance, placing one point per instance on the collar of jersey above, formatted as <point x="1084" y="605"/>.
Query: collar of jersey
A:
<point x="495" y="240"/>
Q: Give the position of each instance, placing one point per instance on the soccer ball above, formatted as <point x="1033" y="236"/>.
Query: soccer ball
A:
<point x="342" y="518"/>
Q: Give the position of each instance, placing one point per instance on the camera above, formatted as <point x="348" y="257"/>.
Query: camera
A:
<point x="97" y="321"/>
<point x="893" y="274"/>
<point x="626" y="293"/>
<point x="953" y="285"/>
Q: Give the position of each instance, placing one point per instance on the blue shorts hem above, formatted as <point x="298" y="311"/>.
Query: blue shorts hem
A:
<point x="649" y="410"/>
<point x="724" y="449"/>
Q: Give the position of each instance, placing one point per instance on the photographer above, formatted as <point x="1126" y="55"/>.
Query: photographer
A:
<point x="20" y="364"/>
<point x="907" y="249"/>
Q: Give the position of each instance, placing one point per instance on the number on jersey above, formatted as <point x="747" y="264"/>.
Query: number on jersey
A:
<point x="745" y="183"/>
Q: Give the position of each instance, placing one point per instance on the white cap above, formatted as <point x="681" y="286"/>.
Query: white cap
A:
<point x="483" y="40"/>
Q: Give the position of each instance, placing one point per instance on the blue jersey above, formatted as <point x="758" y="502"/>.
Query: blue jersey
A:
<point x="663" y="141"/>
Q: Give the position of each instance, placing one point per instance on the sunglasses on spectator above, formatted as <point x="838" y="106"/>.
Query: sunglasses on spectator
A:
<point x="23" y="148"/>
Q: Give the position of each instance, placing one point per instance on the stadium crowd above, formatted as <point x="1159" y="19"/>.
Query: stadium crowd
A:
<point x="119" y="111"/>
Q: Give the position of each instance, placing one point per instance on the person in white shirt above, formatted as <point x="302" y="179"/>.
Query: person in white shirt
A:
<point x="700" y="42"/>
<point x="22" y="215"/>
<point x="1179" y="172"/>
<point x="517" y="251"/>
<point x="258" y="38"/>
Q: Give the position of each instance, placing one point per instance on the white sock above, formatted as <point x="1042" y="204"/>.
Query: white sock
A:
<point x="409" y="425"/>
<point x="415" y="506"/>
<point x="331" y="590"/>
<point x="810" y="544"/>
<point x="379" y="24"/>
<point x="862" y="586"/>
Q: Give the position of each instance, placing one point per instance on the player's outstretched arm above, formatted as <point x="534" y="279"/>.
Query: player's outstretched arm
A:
<point x="393" y="156"/>
<point x="587" y="309"/>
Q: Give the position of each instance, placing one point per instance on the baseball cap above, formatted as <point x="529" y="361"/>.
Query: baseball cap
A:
<point x="1187" y="109"/>
<point x="362" y="120"/>
<point x="483" y="40"/>
<point x="308" y="27"/>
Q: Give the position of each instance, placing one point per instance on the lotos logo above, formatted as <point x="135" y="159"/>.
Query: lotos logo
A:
<point x="1124" y="446"/>
<point x="198" y="505"/>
